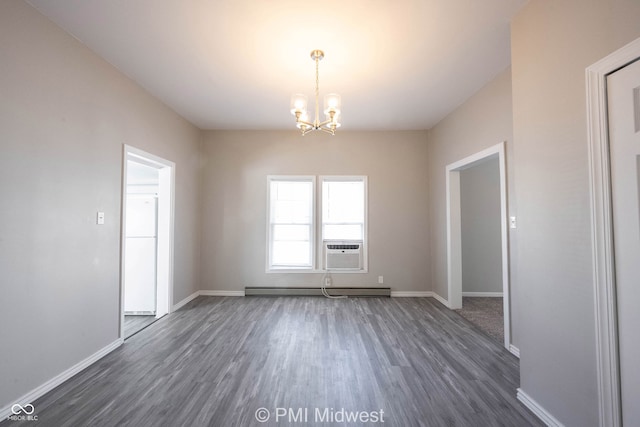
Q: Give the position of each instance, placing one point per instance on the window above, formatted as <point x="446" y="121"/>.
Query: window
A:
<point x="343" y="208"/>
<point x="294" y="241"/>
<point x="291" y="222"/>
<point x="343" y="224"/>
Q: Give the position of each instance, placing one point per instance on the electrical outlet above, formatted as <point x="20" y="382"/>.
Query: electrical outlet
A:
<point x="327" y="282"/>
<point x="380" y="280"/>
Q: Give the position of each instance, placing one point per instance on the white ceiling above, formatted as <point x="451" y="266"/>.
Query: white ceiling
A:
<point x="233" y="64"/>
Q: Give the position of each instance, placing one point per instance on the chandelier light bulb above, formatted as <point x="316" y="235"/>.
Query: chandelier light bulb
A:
<point x="332" y="102"/>
<point x="298" y="103"/>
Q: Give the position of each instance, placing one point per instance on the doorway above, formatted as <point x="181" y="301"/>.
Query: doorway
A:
<point x="454" y="176"/>
<point x="624" y="148"/>
<point x="147" y="240"/>
<point x="614" y="345"/>
<point x="482" y="296"/>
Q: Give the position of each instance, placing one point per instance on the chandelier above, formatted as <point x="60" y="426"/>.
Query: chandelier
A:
<point x="331" y="110"/>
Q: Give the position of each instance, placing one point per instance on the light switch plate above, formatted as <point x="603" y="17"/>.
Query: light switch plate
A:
<point x="512" y="222"/>
<point x="100" y="218"/>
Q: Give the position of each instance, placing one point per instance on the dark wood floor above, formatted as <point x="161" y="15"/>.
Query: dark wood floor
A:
<point x="220" y="359"/>
<point x="133" y="324"/>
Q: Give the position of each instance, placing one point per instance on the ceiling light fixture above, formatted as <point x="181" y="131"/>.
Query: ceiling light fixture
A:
<point x="332" y="106"/>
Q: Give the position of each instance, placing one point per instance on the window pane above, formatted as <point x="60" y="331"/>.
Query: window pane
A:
<point x="342" y="201"/>
<point x="291" y="216"/>
<point x="286" y="212"/>
<point x="291" y="190"/>
<point x="343" y="232"/>
<point x="291" y="233"/>
<point x="287" y="253"/>
<point x="291" y="202"/>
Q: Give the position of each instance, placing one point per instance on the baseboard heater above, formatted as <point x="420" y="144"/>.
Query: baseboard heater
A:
<point x="352" y="292"/>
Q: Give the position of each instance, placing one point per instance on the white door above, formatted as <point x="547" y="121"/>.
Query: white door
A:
<point x="624" y="127"/>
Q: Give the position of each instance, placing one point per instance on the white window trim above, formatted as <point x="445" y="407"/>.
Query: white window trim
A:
<point x="268" y="267"/>
<point x="317" y="249"/>
<point x="365" y="236"/>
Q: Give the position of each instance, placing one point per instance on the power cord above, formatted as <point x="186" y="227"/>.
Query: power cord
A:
<point x="324" y="288"/>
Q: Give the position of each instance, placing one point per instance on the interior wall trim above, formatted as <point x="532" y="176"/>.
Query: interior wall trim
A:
<point x="54" y="382"/>
<point x="483" y="294"/>
<point x="454" y="230"/>
<point x="221" y="293"/>
<point x="394" y="294"/>
<point x="441" y="300"/>
<point x="607" y="368"/>
<point x="185" y="301"/>
<point x="411" y="294"/>
<point x="165" y="256"/>
<point x="538" y="410"/>
<point x="514" y="350"/>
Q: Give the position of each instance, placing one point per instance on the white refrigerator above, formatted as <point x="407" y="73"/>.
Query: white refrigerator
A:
<point x="141" y="244"/>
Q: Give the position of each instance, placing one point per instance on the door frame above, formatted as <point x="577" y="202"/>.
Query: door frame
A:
<point x="454" y="231"/>
<point x="165" y="225"/>
<point x="608" y="368"/>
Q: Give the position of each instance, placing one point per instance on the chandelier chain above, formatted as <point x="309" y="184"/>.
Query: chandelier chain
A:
<point x="317" y="121"/>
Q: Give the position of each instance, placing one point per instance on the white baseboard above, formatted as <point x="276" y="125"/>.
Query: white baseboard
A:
<point x="514" y="350"/>
<point x="186" y="301"/>
<point x="540" y="412"/>
<point x="419" y="294"/>
<point x="483" y="294"/>
<point x="440" y="299"/>
<point x="54" y="382"/>
<point x="207" y="294"/>
<point x="411" y="294"/>
<point x="222" y="293"/>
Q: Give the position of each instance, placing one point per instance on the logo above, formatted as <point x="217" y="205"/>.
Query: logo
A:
<point x="22" y="413"/>
<point x="18" y="409"/>
<point x="262" y="415"/>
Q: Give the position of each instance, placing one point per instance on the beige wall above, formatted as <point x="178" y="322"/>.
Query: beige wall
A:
<point x="481" y="122"/>
<point x="234" y="203"/>
<point x="64" y="115"/>
<point x="552" y="44"/>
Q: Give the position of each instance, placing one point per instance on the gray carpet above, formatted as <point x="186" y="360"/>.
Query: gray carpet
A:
<point x="486" y="314"/>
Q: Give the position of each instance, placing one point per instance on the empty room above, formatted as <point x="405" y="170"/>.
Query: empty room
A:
<point x="248" y="213"/>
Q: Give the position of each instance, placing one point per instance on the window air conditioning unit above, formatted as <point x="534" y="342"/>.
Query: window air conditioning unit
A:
<point x="343" y="255"/>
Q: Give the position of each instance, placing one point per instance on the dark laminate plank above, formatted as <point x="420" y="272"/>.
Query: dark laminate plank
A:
<point x="219" y="359"/>
<point x="134" y="324"/>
